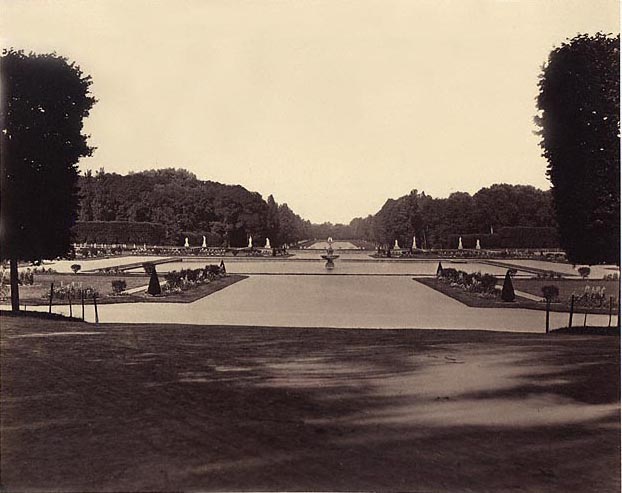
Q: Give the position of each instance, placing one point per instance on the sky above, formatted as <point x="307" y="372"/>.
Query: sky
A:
<point x="332" y="106"/>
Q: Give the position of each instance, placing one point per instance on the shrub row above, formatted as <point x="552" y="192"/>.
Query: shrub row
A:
<point x="510" y="237"/>
<point x="118" y="232"/>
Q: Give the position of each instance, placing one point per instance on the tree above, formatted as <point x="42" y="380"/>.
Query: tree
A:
<point x="584" y="272"/>
<point x="44" y="101"/>
<point x="550" y="293"/>
<point x="579" y="101"/>
<point x="273" y="226"/>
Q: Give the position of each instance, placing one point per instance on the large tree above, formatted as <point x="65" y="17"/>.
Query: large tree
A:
<point x="580" y="127"/>
<point x="44" y="100"/>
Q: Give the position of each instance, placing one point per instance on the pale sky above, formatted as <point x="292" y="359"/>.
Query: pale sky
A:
<point x="332" y="106"/>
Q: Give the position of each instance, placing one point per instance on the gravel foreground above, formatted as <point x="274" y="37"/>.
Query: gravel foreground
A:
<point x="173" y="407"/>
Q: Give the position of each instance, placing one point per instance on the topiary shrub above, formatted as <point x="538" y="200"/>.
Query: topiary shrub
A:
<point x="584" y="272"/>
<point x="550" y="293"/>
<point x="488" y="283"/>
<point x="118" y="286"/>
<point x="154" y="288"/>
<point x="507" y="293"/>
<point x="75" y="268"/>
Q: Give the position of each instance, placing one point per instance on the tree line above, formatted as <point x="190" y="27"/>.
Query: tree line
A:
<point x="435" y="222"/>
<point x="186" y="206"/>
<point x="229" y="214"/>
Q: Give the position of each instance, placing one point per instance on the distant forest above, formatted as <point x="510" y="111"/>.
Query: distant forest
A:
<point x="182" y="205"/>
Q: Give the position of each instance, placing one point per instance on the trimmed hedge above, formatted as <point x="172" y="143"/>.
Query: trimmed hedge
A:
<point x="111" y="232"/>
<point x="510" y="237"/>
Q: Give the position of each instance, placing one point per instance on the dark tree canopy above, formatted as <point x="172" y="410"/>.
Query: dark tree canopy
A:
<point x="44" y="100"/>
<point x="580" y="127"/>
<point x="187" y="206"/>
<point x="438" y="222"/>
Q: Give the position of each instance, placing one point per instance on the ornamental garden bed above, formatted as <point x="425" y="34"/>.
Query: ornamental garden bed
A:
<point x="187" y="296"/>
<point x="38" y="293"/>
<point x="531" y="286"/>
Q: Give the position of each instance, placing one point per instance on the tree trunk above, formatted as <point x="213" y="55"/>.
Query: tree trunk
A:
<point x="14" y="285"/>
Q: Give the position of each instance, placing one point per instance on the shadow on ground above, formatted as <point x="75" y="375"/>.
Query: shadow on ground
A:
<point x="129" y="408"/>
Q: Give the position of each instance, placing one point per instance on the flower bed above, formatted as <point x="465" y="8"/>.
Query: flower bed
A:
<point x="185" y="279"/>
<point x="482" y="285"/>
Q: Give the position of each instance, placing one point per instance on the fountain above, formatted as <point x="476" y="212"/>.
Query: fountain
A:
<point x="330" y="256"/>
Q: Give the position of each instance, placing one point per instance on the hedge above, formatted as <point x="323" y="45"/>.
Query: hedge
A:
<point x="510" y="237"/>
<point x="111" y="232"/>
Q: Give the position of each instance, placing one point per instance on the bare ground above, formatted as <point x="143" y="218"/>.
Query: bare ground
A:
<point x="162" y="407"/>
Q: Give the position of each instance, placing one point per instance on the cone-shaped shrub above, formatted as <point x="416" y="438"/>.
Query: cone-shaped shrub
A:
<point x="439" y="270"/>
<point x="154" y="284"/>
<point x="507" y="293"/>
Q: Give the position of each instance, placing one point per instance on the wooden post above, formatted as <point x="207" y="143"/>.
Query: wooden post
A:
<point x="571" y="311"/>
<point x="95" y="305"/>
<point x="51" y="297"/>
<point x="14" y="281"/>
<point x="610" y="310"/>
<point x="548" y="309"/>
<point x="82" y="296"/>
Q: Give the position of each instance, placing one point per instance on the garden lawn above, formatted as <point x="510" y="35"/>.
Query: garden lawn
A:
<point x="157" y="407"/>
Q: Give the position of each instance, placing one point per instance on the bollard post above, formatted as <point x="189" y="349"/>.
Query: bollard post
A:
<point x="610" y="310"/>
<point x="548" y="310"/>
<point x="95" y="304"/>
<point x="571" y="311"/>
<point x="51" y="296"/>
